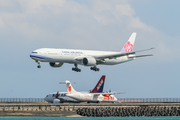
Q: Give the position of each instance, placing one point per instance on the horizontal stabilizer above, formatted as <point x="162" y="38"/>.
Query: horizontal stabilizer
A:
<point x="65" y="83"/>
<point x="144" y="50"/>
<point x="140" y="56"/>
<point x="111" y="93"/>
<point x="119" y="54"/>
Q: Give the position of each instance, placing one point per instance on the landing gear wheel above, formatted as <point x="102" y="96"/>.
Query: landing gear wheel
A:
<point x="38" y="66"/>
<point x="76" y="68"/>
<point x="94" y="68"/>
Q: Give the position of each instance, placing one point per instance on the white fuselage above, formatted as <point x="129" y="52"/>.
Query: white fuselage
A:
<point x="71" y="56"/>
<point x="90" y="97"/>
<point x="62" y="95"/>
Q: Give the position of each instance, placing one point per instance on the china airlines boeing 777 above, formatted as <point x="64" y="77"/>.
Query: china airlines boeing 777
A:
<point x="57" y="57"/>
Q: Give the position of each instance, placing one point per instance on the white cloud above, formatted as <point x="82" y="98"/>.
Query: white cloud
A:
<point x="35" y="6"/>
<point x="101" y="19"/>
<point x="125" y="9"/>
<point x="137" y="24"/>
<point x="70" y="24"/>
<point x="6" y="3"/>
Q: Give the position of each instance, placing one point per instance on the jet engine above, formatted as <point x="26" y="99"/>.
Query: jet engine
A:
<point x="55" y="64"/>
<point x="56" y="101"/>
<point x="89" y="61"/>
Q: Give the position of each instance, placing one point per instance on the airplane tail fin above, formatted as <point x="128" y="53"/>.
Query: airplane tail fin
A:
<point x="128" y="47"/>
<point x="99" y="86"/>
<point x="70" y="89"/>
<point x="57" y="94"/>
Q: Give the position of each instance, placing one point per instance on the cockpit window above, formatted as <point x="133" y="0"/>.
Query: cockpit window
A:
<point x="34" y="52"/>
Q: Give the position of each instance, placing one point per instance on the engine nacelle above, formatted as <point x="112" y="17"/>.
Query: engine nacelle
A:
<point x="56" y="101"/>
<point x="89" y="61"/>
<point x="55" y="64"/>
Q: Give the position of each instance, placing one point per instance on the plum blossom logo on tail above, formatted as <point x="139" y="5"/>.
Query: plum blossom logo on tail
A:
<point x="128" y="47"/>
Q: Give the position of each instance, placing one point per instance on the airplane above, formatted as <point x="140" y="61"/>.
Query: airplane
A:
<point x="57" y="57"/>
<point x="60" y="97"/>
<point x="90" y="97"/>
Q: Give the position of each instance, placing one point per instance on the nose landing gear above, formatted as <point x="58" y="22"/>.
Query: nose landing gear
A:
<point x="94" y="68"/>
<point x="76" y="68"/>
<point x="39" y="66"/>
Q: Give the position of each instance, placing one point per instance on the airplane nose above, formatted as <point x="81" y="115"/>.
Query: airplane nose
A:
<point x="31" y="55"/>
<point x="45" y="99"/>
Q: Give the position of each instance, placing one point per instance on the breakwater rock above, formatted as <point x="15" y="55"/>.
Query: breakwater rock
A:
<point x="130" y="111"/>
<point x="91" y="109"/>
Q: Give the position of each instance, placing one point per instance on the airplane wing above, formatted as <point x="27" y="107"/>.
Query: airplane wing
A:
<point x="110" y="56"/>
<point x="111" y="93"/>
<point x="68" y="100"/>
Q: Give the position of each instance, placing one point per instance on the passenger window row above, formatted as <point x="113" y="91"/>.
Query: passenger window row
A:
<point x="58" y="95"/>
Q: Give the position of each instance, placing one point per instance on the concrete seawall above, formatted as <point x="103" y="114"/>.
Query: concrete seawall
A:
<point x="77" y="110"/>
<point x="38" y="110"/>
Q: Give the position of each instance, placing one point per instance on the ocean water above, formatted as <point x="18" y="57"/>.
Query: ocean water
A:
<point x="90" y="118"/>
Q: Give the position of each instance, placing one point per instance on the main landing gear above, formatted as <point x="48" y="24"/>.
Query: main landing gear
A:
<point x="94" y="68"/>
<point x="39" y="66"/>
<point x="76" y="68"/>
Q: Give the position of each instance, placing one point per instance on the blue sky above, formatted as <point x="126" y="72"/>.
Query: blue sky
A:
<point x="161" y="14"/>
<point x="95" y="25"/>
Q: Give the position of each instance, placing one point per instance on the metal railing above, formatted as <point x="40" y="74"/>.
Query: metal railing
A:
<point x="154" y="100"/>
<point x="151" y="100"/>
<point x="9" y="100"/>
